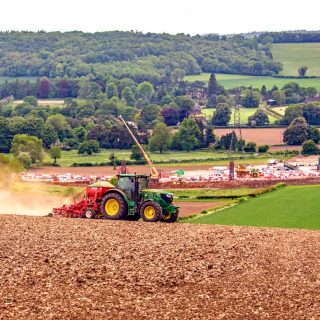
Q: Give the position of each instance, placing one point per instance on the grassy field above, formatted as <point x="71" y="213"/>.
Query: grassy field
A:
<point x="70" y="157"/>
<point x="245" y="113"/>
<point x="295" y="55"/>
<point x="290" y="207"/>
<point x="214" y="193"/>
<point x="3" y="79"/>
<point x="230" y="81"/>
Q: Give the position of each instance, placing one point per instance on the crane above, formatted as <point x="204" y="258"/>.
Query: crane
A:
<point x="154" y="172"/>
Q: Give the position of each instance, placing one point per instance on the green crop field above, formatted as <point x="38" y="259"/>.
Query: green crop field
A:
<point x="295" y="55"/>
<point x="290" y="207"/>
<point x="245" y="113"/>
<point x="230" y="81"/>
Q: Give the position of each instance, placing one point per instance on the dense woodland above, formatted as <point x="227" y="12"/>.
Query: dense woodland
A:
<point x="289" y="37"/>
<point x="152" y="57"/>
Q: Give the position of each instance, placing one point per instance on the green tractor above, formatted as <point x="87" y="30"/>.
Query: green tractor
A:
<point x="132" y="199"/>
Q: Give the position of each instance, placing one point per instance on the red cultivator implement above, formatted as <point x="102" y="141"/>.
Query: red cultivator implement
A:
<point x="89" y="204"/>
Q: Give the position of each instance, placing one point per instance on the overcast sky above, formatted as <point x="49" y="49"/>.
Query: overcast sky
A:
<point x="171" y="16"/>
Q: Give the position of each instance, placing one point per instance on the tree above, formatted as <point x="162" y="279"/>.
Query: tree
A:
<point x="291" y="113"/>
<point x="59" y="123"/>
<point x="128" y="96"/>
<point x="161" y="138"/>
<point x="213" y="85"/>
<point x="44" y="88"/>
<point x="145" y="91"/>
<point x="89" y="147"/>
<point x="89" y="90"/>
<point x="250" y="147"/>
<point x="309" y="148"/>
<point x="222" y="115"/>
<point x="311" y="113"/>
<point x="177" y="75"/>
<point x="80" y="133"/>
<point x="251" y="99"/>
<point x="112" y="90"/>
<point x="149" y="114"/>
<point x="5" y="135"/>
<point x="55" y="153"/>
<point x="166" y="100"/>
<point x="32" y="100"/>
<point x="279" y="97"/>
<point x="266" y="40"/>
<point x="228" y="141"/>
<point x="170" y="115"/>
<point x="185" y="104"/>
<point x="209" y="136"/>
<point x="27" y="144"/>
<point x="297" y="132"/>
<point x="302" y="71"/>
<point x="239" y="145"/>
<point x="113" y="160"/>
<point x="187" y="138"/>
<point x="263" y="148"/>
<point x="258" y="119"/>
<point x="212" y="101"/>
<point x="50" y="136"/>
<point x="315" y="134"/>
<point x="25" y="159"/>
<point x="263" y="91"/>
<point x="135" y="153"/>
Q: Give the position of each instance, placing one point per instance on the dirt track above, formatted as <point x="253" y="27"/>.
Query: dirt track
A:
<point x="77" y="269"/>
<point x="189" y="208"/>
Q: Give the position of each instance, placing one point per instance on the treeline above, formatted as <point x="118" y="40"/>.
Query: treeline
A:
<point x="289" y="37"/>
<point x="151" y="57"/>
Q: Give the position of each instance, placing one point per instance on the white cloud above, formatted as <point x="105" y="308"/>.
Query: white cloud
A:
<point x="202" y="16"/>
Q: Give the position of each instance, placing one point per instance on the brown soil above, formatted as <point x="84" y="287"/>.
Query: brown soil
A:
<point x="55" y="268"/>
<point x="258" y="183"/>
<point x="261" y="136"/>
<point x="190" y="208"/>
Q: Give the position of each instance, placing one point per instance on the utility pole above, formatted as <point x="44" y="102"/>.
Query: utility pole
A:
<point x="236" y="126"/>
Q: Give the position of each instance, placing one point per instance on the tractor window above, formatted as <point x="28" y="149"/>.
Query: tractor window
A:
<point x="126" y="184"/>
<point x="143" y="184"/>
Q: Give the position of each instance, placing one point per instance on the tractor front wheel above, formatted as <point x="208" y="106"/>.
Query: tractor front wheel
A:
<point x="150" y="211"/>
<point x="113" y="206"/>
<point x="169" y="217"/>
<point x="88" y="214"/>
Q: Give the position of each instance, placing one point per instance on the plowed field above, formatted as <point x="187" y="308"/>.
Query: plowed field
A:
<point x="260" y="136"/>
<point x="77" y="269"/>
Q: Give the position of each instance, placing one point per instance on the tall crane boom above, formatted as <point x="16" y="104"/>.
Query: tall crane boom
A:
<point x="154" y="172"/>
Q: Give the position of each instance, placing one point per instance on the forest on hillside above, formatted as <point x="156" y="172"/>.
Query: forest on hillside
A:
<point x="141" y="57"/>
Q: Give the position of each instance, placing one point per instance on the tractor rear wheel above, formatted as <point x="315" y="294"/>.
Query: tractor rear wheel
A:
<point x="150" y="211"/>
<point x="113" y="206"/>
<point x="169" y="217"/>
<point x="88" y="214"/>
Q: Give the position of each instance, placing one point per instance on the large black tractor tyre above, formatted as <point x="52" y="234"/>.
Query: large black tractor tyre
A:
<point x="150" y="211"/>
<point x="170" y="217"/>
<point x="113" y="206"/>
<point x="88" y="214"/>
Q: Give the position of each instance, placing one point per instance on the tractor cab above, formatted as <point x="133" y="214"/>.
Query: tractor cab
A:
<point x="132" y="185"/>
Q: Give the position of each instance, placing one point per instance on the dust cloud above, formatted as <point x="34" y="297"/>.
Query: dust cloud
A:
<point x="30" y="200"/>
